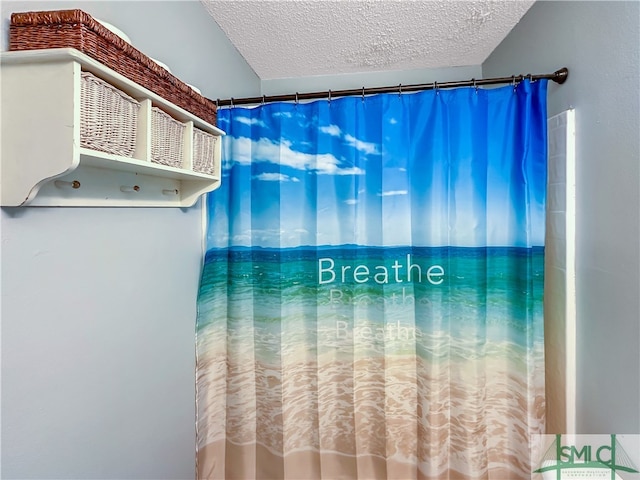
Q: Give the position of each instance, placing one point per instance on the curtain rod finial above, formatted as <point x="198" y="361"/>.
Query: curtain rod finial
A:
<point x="560" y="76"/>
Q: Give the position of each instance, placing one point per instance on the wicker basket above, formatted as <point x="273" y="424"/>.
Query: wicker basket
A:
<point x="77" y="29"/>
<point x="108" y="117"/>
<point x="167" y="139"/>
<point x="204" y="152"/>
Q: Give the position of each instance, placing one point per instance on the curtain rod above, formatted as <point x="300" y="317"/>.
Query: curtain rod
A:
<point x="559" y="76"/>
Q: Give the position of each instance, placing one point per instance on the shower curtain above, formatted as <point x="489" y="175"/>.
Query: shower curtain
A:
<point x="370" y="305"/>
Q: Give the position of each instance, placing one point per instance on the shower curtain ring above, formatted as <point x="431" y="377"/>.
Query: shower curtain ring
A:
<point x="263" y="99"/>
<point x="363" y="94"/>
<point x="296" y="98"/>
<point x="329" y="99"/>
<point x="217" y="103"/>
<point x="231" y="103"/>
<point x="400" y="89"/>
<point x="436" y="88"/>
<point x="475" y="85"/>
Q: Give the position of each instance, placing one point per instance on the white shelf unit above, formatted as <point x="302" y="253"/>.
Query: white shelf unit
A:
<point x="41" y="155"/>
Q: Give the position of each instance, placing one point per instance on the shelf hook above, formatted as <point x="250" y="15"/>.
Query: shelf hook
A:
<point x="75" y="184"/>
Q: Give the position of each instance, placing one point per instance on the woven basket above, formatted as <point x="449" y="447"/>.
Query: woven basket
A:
<point x="167" y="139"/>
<point x="108" y="117"/>
<point x="77" y="29"/>
<point x="204" y="152"/>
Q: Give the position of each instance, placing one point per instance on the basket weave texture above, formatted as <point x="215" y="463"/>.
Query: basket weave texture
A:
<point x="77" y="29"/>
<point x="167" y="139"/>
<point x="204" y="149"/>
<point x="108" y="117"/>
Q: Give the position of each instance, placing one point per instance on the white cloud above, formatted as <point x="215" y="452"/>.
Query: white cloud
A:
<point x="244" y="150"/>
<point x="350" y="171"/>
<point x="391" y="193"/>
<point x="351" y="201"/>
<point x="352" y="141"/>
<point x="365" y="147"/>
<point x="282" y="114"/>
<point x="275" y="177"/>
<point x="242" y="239"/>
<point x="393" y="121"/>
<point x="269" y="236"/>
<point x="332" y="130"/>
<point x="250" y="121"/>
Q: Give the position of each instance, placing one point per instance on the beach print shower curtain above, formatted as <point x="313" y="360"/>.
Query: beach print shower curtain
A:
<point x="371" y="299"/>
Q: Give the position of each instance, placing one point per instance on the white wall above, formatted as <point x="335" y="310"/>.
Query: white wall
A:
<point x="599" y="42"/>
<point x="560" y="279"/>
<point x="98" y="310"/>
<point x="98" y="304"/>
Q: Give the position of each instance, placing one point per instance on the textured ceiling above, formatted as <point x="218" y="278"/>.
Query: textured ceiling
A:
<point x="294" y="38"/>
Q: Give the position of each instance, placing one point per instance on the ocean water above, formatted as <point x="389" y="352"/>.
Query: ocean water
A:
<point x="426" y="362"/>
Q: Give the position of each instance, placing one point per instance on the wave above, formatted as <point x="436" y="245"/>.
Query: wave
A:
<point x="435" y="416"/>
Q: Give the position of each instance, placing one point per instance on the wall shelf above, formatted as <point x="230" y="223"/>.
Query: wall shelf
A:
<point x="42" y="158"/>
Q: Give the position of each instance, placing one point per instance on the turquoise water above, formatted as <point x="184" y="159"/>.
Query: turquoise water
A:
<point x="379" y="294"/>
<point x="316" y="349"/>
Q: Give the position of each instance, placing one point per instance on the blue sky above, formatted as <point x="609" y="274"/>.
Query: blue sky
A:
<point x="453" y="167"/>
